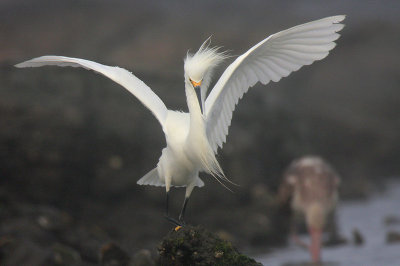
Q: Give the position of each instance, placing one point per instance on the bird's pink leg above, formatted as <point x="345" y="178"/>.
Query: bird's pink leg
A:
<point x="315" y="247"/>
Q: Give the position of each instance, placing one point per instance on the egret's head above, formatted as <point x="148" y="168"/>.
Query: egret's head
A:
<point x="199" y="66"/>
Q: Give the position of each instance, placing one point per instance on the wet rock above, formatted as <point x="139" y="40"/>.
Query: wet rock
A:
<point x="258" y="228"/>
<point x="391" y="219"/>
<point x="335" y="240"/>
<point x="357" y="188"/>
<point x="23" y="252"/>
<point x="113" y="255"/>
<point x="142" y="258"/>
<point x="261" y="193"/>
<point x="191" y="245"/>
<point x="88" y="240"/>
<point x="358" y="239"/>
<point x="52" y="219"/>
<point x="63" y="255"/>
<point x="393" y="237"/>
<point x="6" y="244"/>
<point x="309" y="263"/>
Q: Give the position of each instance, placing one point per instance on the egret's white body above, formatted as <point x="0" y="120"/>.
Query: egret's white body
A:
<point x="179" y="161"/>
<point x="193" y="138"/>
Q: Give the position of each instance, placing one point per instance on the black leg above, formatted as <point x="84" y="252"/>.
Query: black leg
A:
<point x="173" y="221"/>
<point x="182" y="215"/>
<point x="170" y="219"/>
<point x="166" y="207"/>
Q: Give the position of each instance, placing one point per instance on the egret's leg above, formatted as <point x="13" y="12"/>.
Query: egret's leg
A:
<point x="167" y="188"/>
<point x="182" y="215"/>
<point x="170" y="219"/>
<point x="167" y="205"/>
<point x="189" y="190"/>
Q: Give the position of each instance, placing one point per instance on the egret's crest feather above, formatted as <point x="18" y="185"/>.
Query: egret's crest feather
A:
<point x="199" y="65"/>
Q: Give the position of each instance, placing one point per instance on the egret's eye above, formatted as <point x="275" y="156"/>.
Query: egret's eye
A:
<point x="194" y="83"/>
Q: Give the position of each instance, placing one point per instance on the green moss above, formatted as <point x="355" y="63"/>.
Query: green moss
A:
<point x="197" y="246"/>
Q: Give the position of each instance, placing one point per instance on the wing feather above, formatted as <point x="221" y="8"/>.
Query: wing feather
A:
<point x="271" y="59"/>
<point x="117" y="74"/>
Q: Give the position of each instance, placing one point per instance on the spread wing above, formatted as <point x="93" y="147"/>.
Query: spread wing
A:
<point x="117" y="74"/>
<point x="271" y="59"/>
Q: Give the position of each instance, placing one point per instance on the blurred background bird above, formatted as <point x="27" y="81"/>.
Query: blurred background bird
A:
<point x="312" y="184"/>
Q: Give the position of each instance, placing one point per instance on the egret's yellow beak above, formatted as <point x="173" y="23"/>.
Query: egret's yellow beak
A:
<point x="197" y="88"/>
<point x="195" y="84"/>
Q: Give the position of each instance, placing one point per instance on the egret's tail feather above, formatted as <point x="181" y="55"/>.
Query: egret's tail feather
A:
<point x="199" y="182"/>
<point x="152" y="179"/>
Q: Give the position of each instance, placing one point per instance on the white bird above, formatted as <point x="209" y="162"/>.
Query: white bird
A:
<point x="193" y="138"/>
<point x="313" y="185"/>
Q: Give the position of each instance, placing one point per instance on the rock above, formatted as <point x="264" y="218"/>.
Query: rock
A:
<point x="113" y="255"/>
<point x="52" y="219"/>
<point x="193" y="245"/>
<point x="142" y="258"/>
<point x="23" y="252"/>
<point x="391" y="219"/>
<point x="89" y="241"/>
<point x="393" y="237"/>
<point x="309" y="263"/>
<point x="358" y="239"/>
<point x="63" y="255"/>
<point x="335" y="240"/>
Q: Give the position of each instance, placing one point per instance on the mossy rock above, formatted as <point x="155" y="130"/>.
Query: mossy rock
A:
<point x="193" y="245"/>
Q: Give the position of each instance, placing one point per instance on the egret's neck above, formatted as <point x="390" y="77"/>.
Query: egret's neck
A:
<point x="198" y="148"/>
<point x="196" y="117"/>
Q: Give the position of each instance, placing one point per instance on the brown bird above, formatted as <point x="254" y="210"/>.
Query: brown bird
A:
<point x="312" y="185"/>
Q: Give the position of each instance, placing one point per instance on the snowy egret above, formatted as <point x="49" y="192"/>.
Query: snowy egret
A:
<point x="193" y="138"/>
<point x="313" y="185"/>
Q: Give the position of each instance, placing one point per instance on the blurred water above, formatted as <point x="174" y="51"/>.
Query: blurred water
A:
<point x="366" y="216"/>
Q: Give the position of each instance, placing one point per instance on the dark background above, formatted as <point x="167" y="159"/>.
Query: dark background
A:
<point x="73" y="143"/>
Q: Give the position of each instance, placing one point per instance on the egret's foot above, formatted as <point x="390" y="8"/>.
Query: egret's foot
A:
<point x="177" y="228"/>
<point x="172" y="220"/>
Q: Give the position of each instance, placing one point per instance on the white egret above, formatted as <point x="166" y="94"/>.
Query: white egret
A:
<point x="193" y="138"/>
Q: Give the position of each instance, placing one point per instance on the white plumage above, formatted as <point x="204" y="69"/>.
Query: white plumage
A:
<point x="194" y="137"/>
<point x="271" y="59"/>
